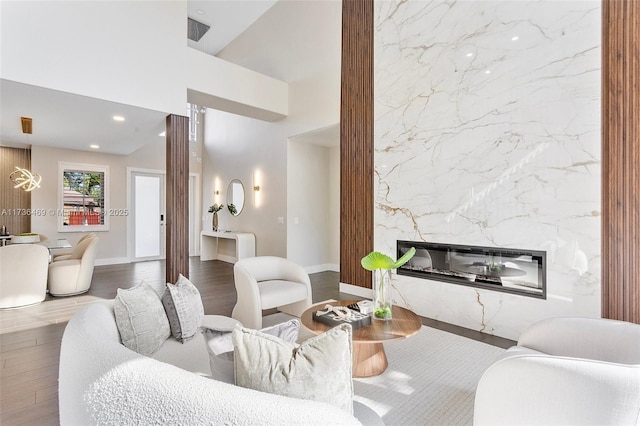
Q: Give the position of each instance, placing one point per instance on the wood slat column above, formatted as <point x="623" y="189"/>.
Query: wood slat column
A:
<point x="621" y="160"/>
<point x="177" y="203"/>
<point x="11" y="199"/>
<point x="356" y="141"/>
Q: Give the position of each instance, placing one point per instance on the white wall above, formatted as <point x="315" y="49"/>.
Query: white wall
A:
<point x="131" y="52"/>
<point x="488" y="134"/>
<point x="292" y="41"/>
<point x="113" y="243"/>
<point x="332" y="254"/>
<point x="244" y="148"/>
<point x="311" y="213"/>
<point x="235" y="147"/>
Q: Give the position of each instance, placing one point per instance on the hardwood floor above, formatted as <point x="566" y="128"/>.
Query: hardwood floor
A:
<point x="30" y="337"/>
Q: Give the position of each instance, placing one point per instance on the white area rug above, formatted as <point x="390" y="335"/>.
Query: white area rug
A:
<point x="431" y="379"/>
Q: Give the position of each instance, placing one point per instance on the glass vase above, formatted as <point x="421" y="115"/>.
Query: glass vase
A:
<point x="381" y="294"/>
<point x="214" y="223"/>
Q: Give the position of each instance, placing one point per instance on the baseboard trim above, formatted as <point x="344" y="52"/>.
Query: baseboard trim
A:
<point x="367" y="293"/>
<point x="225" y="258"/>
<point x="322" y="268"/>
<point x="112" y="261"/>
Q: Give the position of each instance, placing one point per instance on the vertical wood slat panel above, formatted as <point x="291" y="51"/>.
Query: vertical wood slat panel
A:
<point x="177" y="198"/>
<point x="14" y="202"/>
<point x="621" y="160"/>
<point x="356" y="141"/>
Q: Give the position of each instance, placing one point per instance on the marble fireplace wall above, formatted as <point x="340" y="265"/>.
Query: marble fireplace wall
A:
<point x="487" y="132"/>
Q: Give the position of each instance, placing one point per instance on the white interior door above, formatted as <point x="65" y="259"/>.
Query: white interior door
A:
<point x="148" y="192"/>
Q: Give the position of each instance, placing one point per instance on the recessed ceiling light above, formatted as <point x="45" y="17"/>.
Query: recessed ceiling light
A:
<point x="200" y="12"/>
<point x="469" y="55"/>
<point x="94" y="146"/>
<point x="514" y="38"/>
<point x="163" y="134"/>
<point x="118" y="118"/>
<point x="487" y="72"/>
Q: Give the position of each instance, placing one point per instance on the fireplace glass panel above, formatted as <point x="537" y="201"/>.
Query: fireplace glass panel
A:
<point x="501" y="269"/>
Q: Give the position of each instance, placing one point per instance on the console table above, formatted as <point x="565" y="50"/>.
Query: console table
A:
<point x="216" y="245"/>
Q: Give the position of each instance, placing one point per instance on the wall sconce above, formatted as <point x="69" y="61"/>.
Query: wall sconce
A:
<point x="216" y="190"/>
<point x="256" y="188"/>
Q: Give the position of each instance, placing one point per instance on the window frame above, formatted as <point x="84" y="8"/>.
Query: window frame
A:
<point x="84" y="168"/>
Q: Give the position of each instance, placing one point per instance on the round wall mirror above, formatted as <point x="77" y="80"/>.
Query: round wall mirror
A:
<point x="235" y="197"/>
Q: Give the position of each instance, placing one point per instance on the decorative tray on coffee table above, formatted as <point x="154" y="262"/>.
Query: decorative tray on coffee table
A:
<point x="355" y="318"/>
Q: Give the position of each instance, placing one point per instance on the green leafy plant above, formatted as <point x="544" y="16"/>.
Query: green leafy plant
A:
<point x="215" y="208"/>
<point x="377" y="262"/>
<point x="232" y="209"/>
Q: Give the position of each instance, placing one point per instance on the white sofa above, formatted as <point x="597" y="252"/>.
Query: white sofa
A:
<point x="565" y="371"/>
<point x="103" y="382"/>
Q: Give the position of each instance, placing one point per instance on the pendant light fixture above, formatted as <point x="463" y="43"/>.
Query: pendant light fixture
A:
<point x="22" y="177"/>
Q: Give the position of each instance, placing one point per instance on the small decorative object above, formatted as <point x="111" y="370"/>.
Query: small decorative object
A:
<point x="335" y="315"/>
<point x="26" y="238"/>
<point x="380" y="264"/>
<point x="365" y="306"/>
<point x="215" y="209"/>
<point x="232" y="209"/>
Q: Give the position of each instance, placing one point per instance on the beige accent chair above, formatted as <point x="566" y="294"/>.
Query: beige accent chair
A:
<point x="66" y="254"/>
<point x="268" y="282"/>
<point x="23" y="275"/>
<point x="73" y="275"/>
<point x="565" y="371"/>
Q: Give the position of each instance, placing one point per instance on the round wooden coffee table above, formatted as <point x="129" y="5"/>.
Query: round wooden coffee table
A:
<point x="369" y="358"/>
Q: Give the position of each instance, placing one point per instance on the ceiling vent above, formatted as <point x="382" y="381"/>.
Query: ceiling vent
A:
<point x="195" y="29"/>
<point x="27" y="125"/>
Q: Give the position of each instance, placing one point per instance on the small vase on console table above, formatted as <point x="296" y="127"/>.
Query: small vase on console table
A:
<point x="214" y="221"/>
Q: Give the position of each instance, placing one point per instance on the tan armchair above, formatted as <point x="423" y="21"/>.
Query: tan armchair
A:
<point x="66" y="254"/>
<point x="268" y="282"/>
<point x="73" y="275"/>
<point x="23" y="275"/>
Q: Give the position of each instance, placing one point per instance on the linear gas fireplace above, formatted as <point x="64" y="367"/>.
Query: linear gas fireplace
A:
<point x="508" y="270"/>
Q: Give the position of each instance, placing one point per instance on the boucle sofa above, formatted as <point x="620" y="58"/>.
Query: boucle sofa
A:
<point x="103" y="382"/>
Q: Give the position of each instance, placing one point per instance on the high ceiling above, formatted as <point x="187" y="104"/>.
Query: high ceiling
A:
<point x="226" y="19"/>
<point x="70" y="121"/>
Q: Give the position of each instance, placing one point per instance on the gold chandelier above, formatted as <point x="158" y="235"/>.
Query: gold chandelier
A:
<point x="21" y="177"/>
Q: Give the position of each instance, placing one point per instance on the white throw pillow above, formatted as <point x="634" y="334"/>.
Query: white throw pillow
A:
<point x="220" y="346"/>
<point x="319" y="369"/>
<point x="184" y="308"/>
<point x="141" y="319"/>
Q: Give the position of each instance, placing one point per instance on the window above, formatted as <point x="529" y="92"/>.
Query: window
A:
<point x="83" y="197"/>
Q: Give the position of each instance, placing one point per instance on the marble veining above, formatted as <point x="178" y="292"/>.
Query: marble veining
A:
<point x="487" y="133"/>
